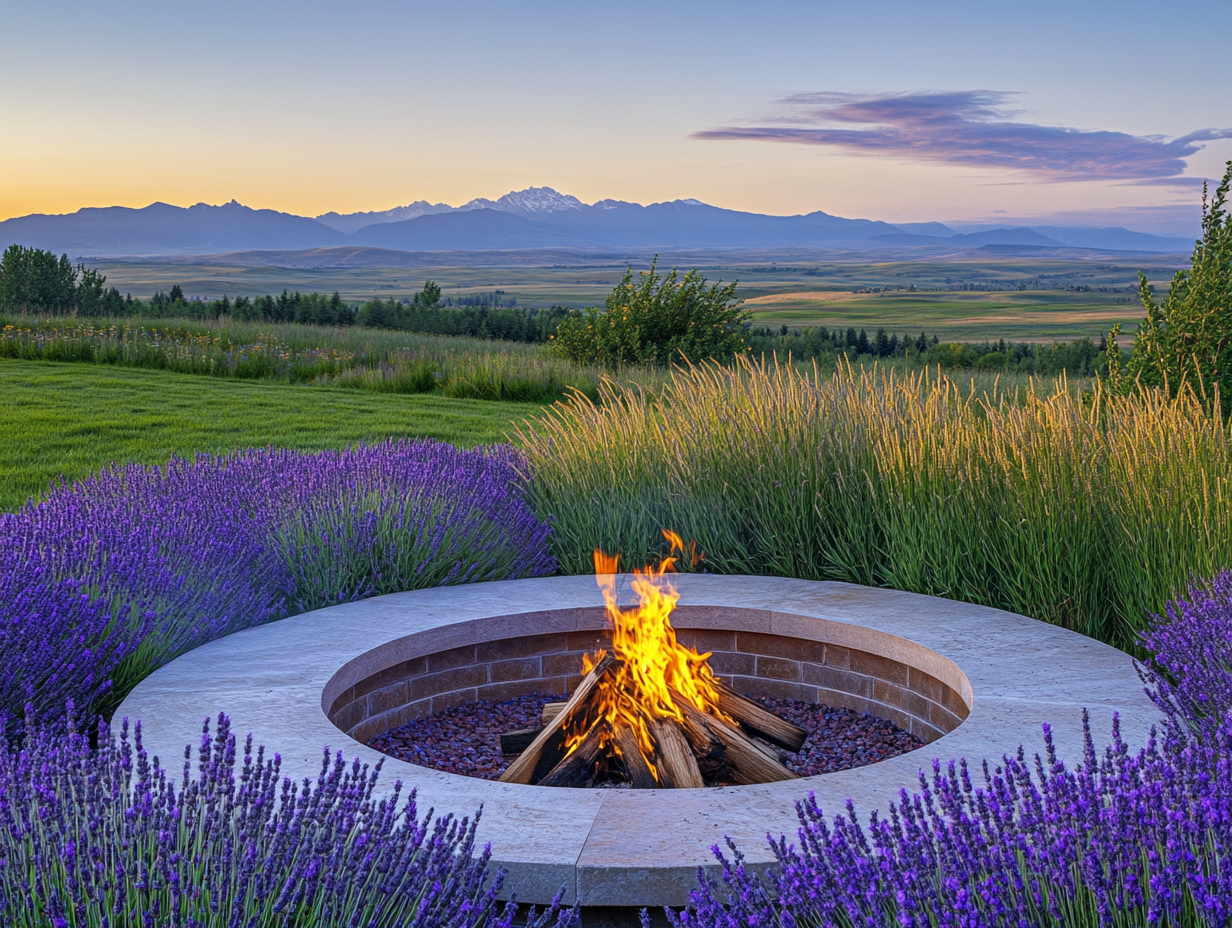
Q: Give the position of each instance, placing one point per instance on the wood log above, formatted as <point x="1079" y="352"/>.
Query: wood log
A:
<point x="637" y="768"/>
<point x="550" y="711"/>
<point x="673" y="756"/>
<point x="515" y="742"/>
<point x="760" y="721"/>
<point x="578" y="768"/>
<point x="524" y="769"/>
<point x="749" y="761"/>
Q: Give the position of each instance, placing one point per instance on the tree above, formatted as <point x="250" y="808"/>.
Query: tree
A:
<point x="1185" y="342"/>
<point x="657" y="321"/>
<point x="33" y="279"/>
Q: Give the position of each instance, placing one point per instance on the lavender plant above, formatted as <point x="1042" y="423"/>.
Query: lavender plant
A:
<point x="105" y="839"/>
<point x="111" y="577"/>
<point x="1121" y="839"/>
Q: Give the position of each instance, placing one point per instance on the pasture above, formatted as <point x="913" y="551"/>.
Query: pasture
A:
<point x="69" y="420"/>
<point x="972" y="298"/>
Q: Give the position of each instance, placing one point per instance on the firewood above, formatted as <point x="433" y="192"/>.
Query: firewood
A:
<point x="675" y="761"/>
<point x="523" y="769"/>
<point x="760" y="721"/>
<point x="637" y="769"/>
<point x="515" y="742"/>
<point x="749" y="761"/>
<point x="578" y="767"/>
<point x="550" y="711"/>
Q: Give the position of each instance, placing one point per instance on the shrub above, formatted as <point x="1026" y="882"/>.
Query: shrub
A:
<point x="660" y="321"/>
<point x="1186" y="342"/>
<point x="1121" y="839"/>
<point x="1083" y="510"/>
<point x="104" y="838"/>
<point x="112" y="577"/>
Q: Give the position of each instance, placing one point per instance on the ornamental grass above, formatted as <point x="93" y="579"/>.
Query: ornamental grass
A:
<point x="111" y="577"/>
<point x="1078" y="507"/>
<point x="1121" y="839"/>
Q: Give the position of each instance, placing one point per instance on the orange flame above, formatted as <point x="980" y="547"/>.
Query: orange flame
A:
<point x="653" y="663"/>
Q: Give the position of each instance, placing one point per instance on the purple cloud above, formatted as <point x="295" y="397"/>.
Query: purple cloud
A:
<point x="973" y="128"/>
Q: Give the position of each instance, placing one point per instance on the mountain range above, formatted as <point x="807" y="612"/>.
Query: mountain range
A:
<point x="535" y="218"/>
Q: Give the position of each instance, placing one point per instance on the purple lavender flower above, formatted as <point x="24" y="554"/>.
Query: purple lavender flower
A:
<point x="106" y="837"/>
<point x="111" y="577"/>
<point x="1120" y="839"/>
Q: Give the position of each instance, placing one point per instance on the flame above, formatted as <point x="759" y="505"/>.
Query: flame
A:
<point x="652" y="663"/>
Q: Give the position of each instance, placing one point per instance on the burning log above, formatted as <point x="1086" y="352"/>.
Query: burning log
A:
<point x="652" y="711"/>
<point x="579" y="768"/>
<point x="677" y="766"/>
<point x="637" y="767"/>
<point x="749" y="761"/>
<point x="515" y="742"/>
<point x="524" y="769"/>
<point x="759" y="721"/>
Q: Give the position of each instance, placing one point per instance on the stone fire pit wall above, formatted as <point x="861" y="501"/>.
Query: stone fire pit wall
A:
<point x="750" y="662"/>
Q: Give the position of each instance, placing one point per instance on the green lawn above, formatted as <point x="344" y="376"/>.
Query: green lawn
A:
<point x="71" y="419"/>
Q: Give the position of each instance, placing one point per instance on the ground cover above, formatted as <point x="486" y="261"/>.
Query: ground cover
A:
<point x="371" y="359"/>
<point x="1077" y="507"/>
<point x="69" y="420"/>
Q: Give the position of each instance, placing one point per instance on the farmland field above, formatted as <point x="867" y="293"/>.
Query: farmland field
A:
<point x="968" y="299"/>
<point x="71" y="419"/>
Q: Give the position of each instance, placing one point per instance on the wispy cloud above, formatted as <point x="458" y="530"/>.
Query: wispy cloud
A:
<point x="972" y="127"/>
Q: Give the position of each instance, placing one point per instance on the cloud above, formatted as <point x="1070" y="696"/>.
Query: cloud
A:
<point x="971" y="127"/>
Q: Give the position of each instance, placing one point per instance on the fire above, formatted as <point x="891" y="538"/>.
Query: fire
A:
<point x="652" y="664"/>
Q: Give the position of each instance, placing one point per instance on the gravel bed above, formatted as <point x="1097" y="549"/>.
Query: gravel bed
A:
<point x="466" y="739"/>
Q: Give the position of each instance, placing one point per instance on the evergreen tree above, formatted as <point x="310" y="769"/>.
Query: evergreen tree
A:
<point x="1186" y="341"/>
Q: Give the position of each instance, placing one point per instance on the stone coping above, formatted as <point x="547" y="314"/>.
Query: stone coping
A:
<point x="630" y="847"/>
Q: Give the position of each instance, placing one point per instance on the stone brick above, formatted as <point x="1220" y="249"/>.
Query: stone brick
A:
<point x="587" y="641"/>
<point x="351" y="714"/>
<point x="565" y="664"/>
<point x="838" y="656"/>
<point x="452" y="700"/>
<point x="777" y="668"/>
<point x="901" y="697"/>
<point x="730" y="662"/>
<point x="499" y="692"/>
<point x="393" y="674"/>
<point x="527" y="646"/>
<point x="831" y="678"/>
<point x="705" y="639"/>
<point x="926" y="685"/>
<point x="389" y="697"/>
<point x="522" y="668"/>
<point x="454" y="657"/>
<point x="874" y="665"/>
<point x="795" y="649"/>
<point x="762" y="686"/>
<point x="458" y="678"/>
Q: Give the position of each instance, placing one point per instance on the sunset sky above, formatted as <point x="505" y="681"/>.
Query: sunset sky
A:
<point x="899" y="111"/>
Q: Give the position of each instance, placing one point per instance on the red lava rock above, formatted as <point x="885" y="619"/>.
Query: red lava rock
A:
<point x="466" y="739"/>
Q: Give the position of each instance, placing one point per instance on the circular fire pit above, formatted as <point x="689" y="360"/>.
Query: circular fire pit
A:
<point x="973" y="682"/>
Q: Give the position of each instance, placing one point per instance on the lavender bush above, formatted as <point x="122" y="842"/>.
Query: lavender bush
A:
<point x="111" y="577"/>
<point x="104" y="838"/>
<point x="1121" y="839"/>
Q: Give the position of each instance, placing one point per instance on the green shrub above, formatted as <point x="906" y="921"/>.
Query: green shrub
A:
<point x="1186" y="342"/>
<point x="659" y="321"/>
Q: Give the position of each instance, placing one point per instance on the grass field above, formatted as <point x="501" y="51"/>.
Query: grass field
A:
<point x="1014" y="316"/>
<point x="791" y="290"/>
<point x="71" y="419"/>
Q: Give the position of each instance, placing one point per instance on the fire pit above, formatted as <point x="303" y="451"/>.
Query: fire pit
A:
<point x="969" y="681"/>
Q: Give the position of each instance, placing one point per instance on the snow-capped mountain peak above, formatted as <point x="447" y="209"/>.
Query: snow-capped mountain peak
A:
<point x="530" y="200"/>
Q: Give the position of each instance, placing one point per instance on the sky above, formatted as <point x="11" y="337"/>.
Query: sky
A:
<point x="1105" y="113"/>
